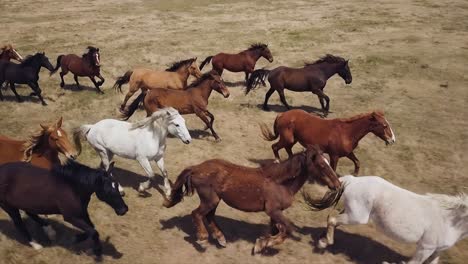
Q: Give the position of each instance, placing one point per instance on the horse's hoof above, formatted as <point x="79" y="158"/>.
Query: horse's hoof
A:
<point x="222" y="241"/>
<point x="35" y="245"/>
<point x="266" y="109"/>
<point x="122" y="193"/>
<point x="44" y="103"/>
<point x="98" y="258"/>
<point x="322" y="243"/>
<point x="203" y="243"/>
<point x="260" y="244"/>
<point x="50" y="232"/>
<point x="62" y="85"/>
<point x="276" y="161"/>
<point x="218" y="139"/>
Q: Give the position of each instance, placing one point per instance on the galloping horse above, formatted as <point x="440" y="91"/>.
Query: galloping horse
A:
<point x="434" y="221"/>
<point x="64" y="190"/>
<point x="143" y="141"/>
<point x="337" y="137"/>
<point x="7" y="52"/>
<point x="27" y="72"/>
<point x="311" y="78"/>
<point x="42" y="149"/>
<point x="86" y="65"/>
<point x="270" y="189"/>
<point x="192" y="100"/>
<point x="243" y="61"/>
<point x="174" y="77"/>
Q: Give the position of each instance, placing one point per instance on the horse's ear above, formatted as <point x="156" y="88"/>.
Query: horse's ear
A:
<point x="59" y="122"/>
<point x="195" y="59"/>
<point x="111" y="167"/>
<point x="44" y="127"/>
<point x="168" y="113"/>
<point x="97" y="49"/>
<point x="373" y="116"/>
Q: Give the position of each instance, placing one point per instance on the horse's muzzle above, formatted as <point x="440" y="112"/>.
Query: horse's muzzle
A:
<point x="121" y="211"/>
<point x="389" y="142"/>
<point x="186" y="141"/>
<point x="270" y="59"/>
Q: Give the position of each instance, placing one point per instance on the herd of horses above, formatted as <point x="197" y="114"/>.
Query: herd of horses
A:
<point x="35" y="180"/>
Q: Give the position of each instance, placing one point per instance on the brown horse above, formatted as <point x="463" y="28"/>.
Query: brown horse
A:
<point x="7" y="53"/>
<point x="311" y="78"/>
<point x="42" y="149"/>
<point x="337" y="137"/>
<point x="174" y="77"/>
<point x="193" y="100"/>
<point x="270" y="189"/>
<point x="86" y="65"/>
<point x="243" y="61"/>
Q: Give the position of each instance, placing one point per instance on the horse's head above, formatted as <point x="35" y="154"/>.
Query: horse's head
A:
<point x="107" y="190"/>
<point x="94" y="55"/>
<point x="380" y="127"/>
<point x="44" y="61"/>
<point x="218" y="84"/>
<point x="193" y="69"/>
<point x="9" y="52"/>
<point x="58" y="139"/>
<point x="176" y="125"/>
<point x="345" y="72"/>
<point x="318" y="166"/>
<point x="266" y="53"/>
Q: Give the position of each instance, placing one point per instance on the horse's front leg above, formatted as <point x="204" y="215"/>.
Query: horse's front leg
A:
<point x="145" y="164"/>
<point x="90" y="232"/>
<point x="284" y="227"/>
<point x="167" y="184"/>
<point x="101" y="78"/>
<point x="96" y="85"/>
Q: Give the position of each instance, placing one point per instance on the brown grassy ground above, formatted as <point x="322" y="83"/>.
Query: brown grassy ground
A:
<point x="400" y="53"/>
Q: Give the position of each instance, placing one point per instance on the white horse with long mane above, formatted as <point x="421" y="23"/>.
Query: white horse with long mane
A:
<point x="434" y="221"/>
<point x="143" y="141"/>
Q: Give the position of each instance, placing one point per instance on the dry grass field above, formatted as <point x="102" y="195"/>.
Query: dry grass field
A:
<point x="407" y="58"/>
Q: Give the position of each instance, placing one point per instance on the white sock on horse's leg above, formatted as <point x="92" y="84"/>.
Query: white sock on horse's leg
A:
<point x="144" y="186"/>
<point x="50" y="232"/>
<point x="35" y="245"/>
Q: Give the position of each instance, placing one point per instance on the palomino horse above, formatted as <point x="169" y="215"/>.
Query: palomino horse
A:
<point x="27" y="72"/>
<point x="193" y="100"/>
<point x="41" y="149"/>
<point x="269" y="189"/>
<point x="143" y="141"/>
<point x="310" y="78"/>
<point x="86" y="65"/>
<point x="174" y="77"/>
<point x="243" y="61"/>
<point x="64" y="190"/>
<point x="7" y="53"/>
<point x="337" y="137"/>
<point x="434" y="221"/>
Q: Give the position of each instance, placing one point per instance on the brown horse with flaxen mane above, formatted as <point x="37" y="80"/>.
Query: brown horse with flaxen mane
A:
<point x="337" y="137"/>
<point x="310" y="78"/>
<point x="268" y="189"/>
<point x="174" y="77"/>
<point x="42" y="149"/>
<point x="89" y="64"/>
<point x="243" y="61"/>
<point x="192" y="100"/>
<point x="7" y="53"/>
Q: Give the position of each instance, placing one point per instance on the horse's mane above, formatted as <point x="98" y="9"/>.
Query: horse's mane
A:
<point x="160" y="114"/>
<point x="280" y="172"/>
<point x="327" y="58"/>
<point x="32" y="144"/>
<point x="356" y="117"/>
<point x="6" y="47"/>
<point x="29" y="59"/>
<point x="78" y="174"/>
<point x="200" y="80"/>
<point x="450" y="202"/>
<point x="259" y="45"/>
<point x="176" y="65"/>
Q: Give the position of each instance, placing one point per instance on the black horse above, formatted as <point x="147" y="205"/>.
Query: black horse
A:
<point x="27" y="72"/>
<point x="65" y="190"/>
<point x="310" y="78"/>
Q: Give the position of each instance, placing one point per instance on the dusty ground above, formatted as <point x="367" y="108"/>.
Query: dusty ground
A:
<point x="407" y="58"/>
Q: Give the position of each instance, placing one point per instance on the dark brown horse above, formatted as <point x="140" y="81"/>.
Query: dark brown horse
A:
<point x="337" y="137"/>
<point x="243" y="61"/>
<point x="41" y="149"/>
<point x="192" y="100"/>
<point x="310" y="78"/>
<point x="86" y="65"/>
<point x="7" y="53"/>
<point x="64" y="190"/>
<point x="270" y="189"/>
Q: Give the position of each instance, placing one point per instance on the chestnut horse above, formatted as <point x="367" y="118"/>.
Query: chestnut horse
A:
<point x="174" y="77"/>
<point x="270" y="189"/>
<point x="7" y="53"/>
<point x="310" y="78"/>
<point x="337" y="137"/>
<point x="192" y="100"/>
<point x="86" y="65"/>
<point x="243" y="61"/>
<point x="42" y="149"/>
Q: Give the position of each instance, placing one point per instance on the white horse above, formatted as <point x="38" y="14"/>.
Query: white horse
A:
<point x="143" y="141"/>
<point x="434" y="221"/>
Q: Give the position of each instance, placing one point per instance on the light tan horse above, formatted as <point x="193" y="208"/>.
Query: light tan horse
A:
<point x="7" y="52"/>
<point x="174" y="77"/>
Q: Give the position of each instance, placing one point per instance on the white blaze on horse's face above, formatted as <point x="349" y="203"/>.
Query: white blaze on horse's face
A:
<point x="392" y="137"/>
<point x="17" y="54"/>
<point x="326" y="161"/>
<point x="59" y="133"/>
<point x="177" y="128"/>
<point x="96" y="57"/>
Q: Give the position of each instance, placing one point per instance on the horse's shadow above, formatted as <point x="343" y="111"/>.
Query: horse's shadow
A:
<point x="131" y="179"/>
<point x="81" y="88"/>
<point x="235" y="84"/>
<point x="281" y="108"/>
<point x="64" y="239"/>
<point x="262" y="162"/>
<point x="26" y="98"/>
<point x="199" y="133"/>
<point x="360" y="249"/>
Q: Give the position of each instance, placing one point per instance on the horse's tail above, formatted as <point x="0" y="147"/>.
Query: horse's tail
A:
<point x="255" y="78"/>
<point x="207" y="60"/>
<point x="122" y="80"/>
<point x="133" y="106"/>
<point x="177" y="194"/>
<point x="78" y="133"/>
<point x="59" y="63"/>
<point x="331" y="198"/>
<point x="267" y="134"/>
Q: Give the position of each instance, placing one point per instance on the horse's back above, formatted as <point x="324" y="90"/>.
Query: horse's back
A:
<point x="10" y="150"/>
<point x="161" y="79"/>
<point x="160" y="98"/>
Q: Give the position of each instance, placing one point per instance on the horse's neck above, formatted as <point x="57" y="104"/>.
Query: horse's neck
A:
<point x="294" y="185"/>
<point x="281" y="172"/>
<point x="205" y="89"/>
<point x="329" y="69"/>
<point x="159" y="131"/>
<point x="254" y="54"/>
<point x="357" y="129"/>
<point x="43" y="149"/>
<point x="183" y="73"/>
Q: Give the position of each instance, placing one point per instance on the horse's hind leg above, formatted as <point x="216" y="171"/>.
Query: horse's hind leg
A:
<point x="286" y="141"/>
<point x="76" y="80"/>
<point x="19" y="224"/>
<point x="13" y="88"/>
<point x="63" y="72"/>
<point x="50" y="232"/>
<point x="208" y="201"/>
<point x="215" y="230"/>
